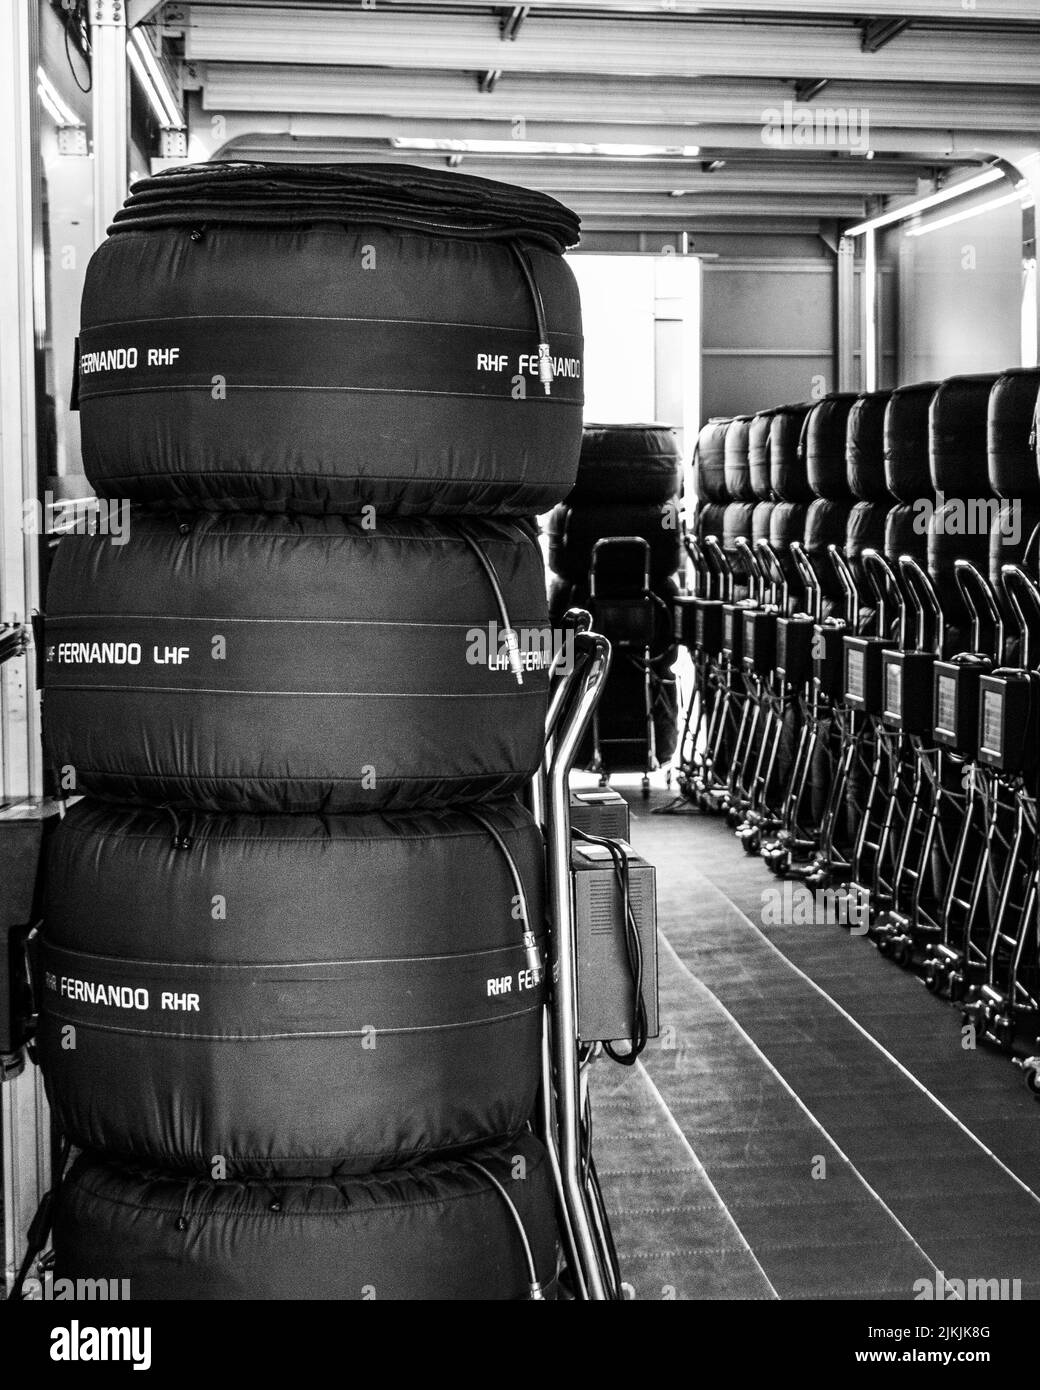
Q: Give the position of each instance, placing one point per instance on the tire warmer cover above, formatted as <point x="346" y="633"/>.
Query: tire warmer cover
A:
<point x="627" y="463"/>
<point x="573" y="531"/>
<point x="907" y="471"/>
<point x="441" y="1230"/>
<point x="710" y="461"/>
<point x="738" y="465"/>
<point x="325" y="338"/>
<point x="260" y="663"/>
<point x="291" y="994"/>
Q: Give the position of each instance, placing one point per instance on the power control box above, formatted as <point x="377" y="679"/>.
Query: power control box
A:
<point x="600" y="812"/>
<point x="605" y="983"/>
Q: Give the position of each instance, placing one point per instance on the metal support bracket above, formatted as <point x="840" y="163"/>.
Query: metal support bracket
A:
<point x="808" y="87"/>
<point x="875" y="33"/>
<point x="108" y="23"/>
<point x="512" y="21"/>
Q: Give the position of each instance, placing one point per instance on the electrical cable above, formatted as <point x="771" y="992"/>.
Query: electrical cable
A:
<point x="531" y="951"/>
<point x="537" y="1290"/>
<point x="633" y="948"/>
<point x="545" y="367"/>
<point x="76" y="14"/>
<point x="508" y="634"/>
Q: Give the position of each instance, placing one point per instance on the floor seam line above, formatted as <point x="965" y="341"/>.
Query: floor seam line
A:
<point x="703" y="1173"/>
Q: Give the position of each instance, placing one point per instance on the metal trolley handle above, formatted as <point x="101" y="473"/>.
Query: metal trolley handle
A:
<point x="981" y="603"/>
<point x="1019" y="587"/>
<point x="930" y="628"/>
<point x="841" y="568"/>
<point x="718" y="560"/>
<point x="882" y="579"/>
<point x="772" y="572"/>
<point x="810" y="580"/>
<point x="581" y="690"/>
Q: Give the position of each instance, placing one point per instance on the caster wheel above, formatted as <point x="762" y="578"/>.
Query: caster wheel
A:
<point x="956" y="991"/>
<point x="1032" y="1075"/>
<point x="646" y="788"/>
<point x="901" y="953"/>
<point x="750" y="838"/>
<point x="932" y="978"/>
<point x="604" y="779"/>
<point x="775" y="858"/>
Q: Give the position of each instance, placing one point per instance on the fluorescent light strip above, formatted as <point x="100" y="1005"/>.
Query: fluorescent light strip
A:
<point x="926" y="227"/>
<point x="153" y="80"/>
<point x="933" y="200"/>
<point x="549" y="147"/>
<point x="61" y="113"/>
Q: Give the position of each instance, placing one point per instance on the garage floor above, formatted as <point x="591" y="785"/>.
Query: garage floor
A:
<point x="809" y="1124"/>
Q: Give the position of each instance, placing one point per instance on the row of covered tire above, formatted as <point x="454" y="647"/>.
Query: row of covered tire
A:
<point x="290" y="970"/>
<point x="614" y="547"/>
<point x="865" y="626"/>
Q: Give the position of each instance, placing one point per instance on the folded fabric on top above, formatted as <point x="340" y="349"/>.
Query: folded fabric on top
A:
<point x="438" y="202"/>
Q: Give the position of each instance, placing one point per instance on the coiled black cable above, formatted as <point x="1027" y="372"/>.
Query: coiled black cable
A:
<point x="633" y="950"/>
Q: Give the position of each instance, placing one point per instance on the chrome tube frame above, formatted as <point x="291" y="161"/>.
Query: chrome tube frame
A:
<point x="584" y="685"/>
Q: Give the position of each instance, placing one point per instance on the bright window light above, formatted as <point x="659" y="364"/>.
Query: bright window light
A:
<point x="936" y="226"/>
<point x="154" y="81"/>
<point x="933" y="200"/>
<point x="59" y="111"/>
<point x="551" y="147"/>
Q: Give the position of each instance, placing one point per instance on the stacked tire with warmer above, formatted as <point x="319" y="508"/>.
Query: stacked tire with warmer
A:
<point x="292" y="992"/>
<point x="629" y="484"/>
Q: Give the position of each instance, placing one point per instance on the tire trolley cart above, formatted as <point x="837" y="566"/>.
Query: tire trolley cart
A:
<point x="630" y="616"/>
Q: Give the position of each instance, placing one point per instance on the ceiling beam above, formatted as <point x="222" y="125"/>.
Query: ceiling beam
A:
<point x="676" y="211"/>
<point x="310" y="88"/>
<point x="608" y="176"/>
<point x="989" y="14"/>
<point x="664" y="47"/>
<point x="208" y="138"/>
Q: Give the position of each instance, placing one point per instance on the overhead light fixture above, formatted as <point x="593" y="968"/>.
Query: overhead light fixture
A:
<point x="994" y="203"/>
<point x="52" y="102"/>
<point x="156" y="85"/>
<point x="944" y="195"/>
<point x="677" y="193"/>
<point x="550" y="147"/>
